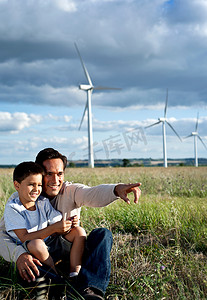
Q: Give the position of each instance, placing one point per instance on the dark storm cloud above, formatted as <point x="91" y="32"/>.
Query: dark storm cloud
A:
<point x="40" y="95"/>
<point x="143" y="47"/>
<point x="33" y="50"/>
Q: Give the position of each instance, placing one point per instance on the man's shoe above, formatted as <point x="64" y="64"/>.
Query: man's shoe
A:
<point x="91" y="294"/>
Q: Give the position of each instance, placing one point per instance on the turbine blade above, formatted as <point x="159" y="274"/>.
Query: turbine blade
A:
<point x="166" y="101"/>
<point x="173" y="130"/>
<point x="105" y="88"/>
<point x="86" y="106"/>
<point x="153" y="124"/>
<point x="202" y="141"/>
<point x="84" y="67"/>
<point x="188" y="136"/>
<point x="196" y="127"/>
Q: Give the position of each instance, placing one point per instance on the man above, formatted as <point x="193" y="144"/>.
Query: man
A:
<point x="68" y="198"/>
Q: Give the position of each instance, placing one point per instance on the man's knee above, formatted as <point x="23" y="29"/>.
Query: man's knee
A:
<point x="100" y="235"/>
<point x="102" y="232"/>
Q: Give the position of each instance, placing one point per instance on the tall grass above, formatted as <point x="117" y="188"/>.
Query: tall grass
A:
<point x="6" y="188"/>
<point x="174" y="181"/>
<point x="160" y="244"/>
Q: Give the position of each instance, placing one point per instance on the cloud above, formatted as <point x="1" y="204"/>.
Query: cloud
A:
<point x="66" y="5"/>
<point x="141" y="47"/>
<point x="183" y="126"/>
<point x="40" y="95"/>
<point x="17" y="121"/>
<point x="80" y="143"/>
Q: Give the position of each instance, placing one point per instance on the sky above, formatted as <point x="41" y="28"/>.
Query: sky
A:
<point x="143" y="47"/>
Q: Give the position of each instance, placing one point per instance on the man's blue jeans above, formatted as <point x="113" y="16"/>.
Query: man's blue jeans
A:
<point x="96" y="265"/>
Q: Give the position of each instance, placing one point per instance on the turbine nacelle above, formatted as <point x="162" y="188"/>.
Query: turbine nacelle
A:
<point x="85" y="87"/>
<point x="194" y="133"/>
<point x="162" y="119"/>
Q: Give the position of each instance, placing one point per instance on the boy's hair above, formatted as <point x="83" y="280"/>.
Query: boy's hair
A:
<point x="25" y="169"/>
<point x="50" y="153"/>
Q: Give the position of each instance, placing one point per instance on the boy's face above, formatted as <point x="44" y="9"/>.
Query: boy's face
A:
<point x="30" y="188"/>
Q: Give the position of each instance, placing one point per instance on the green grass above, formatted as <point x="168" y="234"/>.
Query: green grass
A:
<point x="160" y="244"/>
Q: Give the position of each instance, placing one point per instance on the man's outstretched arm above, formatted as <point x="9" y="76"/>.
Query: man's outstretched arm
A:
<point x="102" y="195"/>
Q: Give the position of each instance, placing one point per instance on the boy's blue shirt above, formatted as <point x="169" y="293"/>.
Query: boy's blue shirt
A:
<point x="16" y="216"/>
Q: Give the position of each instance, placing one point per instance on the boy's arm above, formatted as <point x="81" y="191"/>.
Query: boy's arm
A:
<point x="59" y="227"/>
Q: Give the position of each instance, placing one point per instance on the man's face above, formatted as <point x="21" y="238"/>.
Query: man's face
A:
<point x="53" y="179"/>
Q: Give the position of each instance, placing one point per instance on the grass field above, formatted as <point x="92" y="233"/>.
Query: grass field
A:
<point x="160" y="244"/>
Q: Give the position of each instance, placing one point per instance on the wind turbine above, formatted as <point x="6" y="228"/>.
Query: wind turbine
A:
<point x="163" y="121"/>
<point x="89" y="89"/>
<point x="196" y="135"/>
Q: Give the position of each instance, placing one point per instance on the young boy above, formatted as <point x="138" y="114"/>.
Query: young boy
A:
<point x="31" y="221"/>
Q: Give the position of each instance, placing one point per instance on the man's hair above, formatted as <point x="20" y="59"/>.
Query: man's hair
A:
<point x="25" y="169"/>
<point x="50" y="153"/>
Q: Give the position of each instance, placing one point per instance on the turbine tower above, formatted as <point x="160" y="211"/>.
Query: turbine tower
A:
<point x="196" y="135"/>
<point x="89" y="89"/>
<point x="163" y="121"/>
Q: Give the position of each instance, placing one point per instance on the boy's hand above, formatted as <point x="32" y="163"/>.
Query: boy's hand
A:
<point x="62" y="226"/>
<point x="74" y="220"/>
